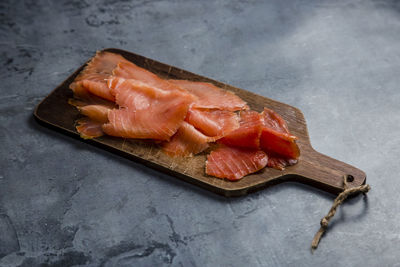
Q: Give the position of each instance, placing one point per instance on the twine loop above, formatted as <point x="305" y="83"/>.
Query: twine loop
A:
<point x="336" y="203"/>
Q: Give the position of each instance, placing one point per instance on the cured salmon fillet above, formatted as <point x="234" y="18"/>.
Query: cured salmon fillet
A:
<point x="266" y="131"/>
<point x="186" y="142"/>
<point x="96" y="111"/>
<point x="233" y="163"/>
<point x="122" y="99"/>
<point x="215" y="123"/>
<point x="88" y="128"/>
<point x="211" y="96"/>
<point x="92" y="78"/>
<point x="145" y="112"/>
<point x="248" y="134"/>
<point x="276" y="139"/>
<point x="274" y="121"/>
<point x="279" y="163"/>
<point x="128" y="70"/>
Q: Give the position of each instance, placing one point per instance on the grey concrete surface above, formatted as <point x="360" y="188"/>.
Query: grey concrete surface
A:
<point x="66" y="203"/>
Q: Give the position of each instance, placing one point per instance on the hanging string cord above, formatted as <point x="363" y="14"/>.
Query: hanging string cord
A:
<point x="336" y="203"/>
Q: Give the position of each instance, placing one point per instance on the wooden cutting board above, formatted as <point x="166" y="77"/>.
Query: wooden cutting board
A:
<point x="313" y="168"/>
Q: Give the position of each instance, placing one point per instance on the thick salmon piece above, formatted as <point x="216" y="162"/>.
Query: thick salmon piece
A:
<point x="211" y="97"/>
<point x="233" y="163"/>
<point x="275" y="137"/>
<point x="248" y="134"/>
<point x="215" y="123"/>
<point x="93" y="77"/>
<point x="145" y="112"/>
<point x="186" y="142"/>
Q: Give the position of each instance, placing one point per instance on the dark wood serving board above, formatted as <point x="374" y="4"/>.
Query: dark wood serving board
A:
<point x="313" y="168"/>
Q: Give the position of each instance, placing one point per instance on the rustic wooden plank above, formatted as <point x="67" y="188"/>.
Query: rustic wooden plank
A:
<point x="313" y="168"/>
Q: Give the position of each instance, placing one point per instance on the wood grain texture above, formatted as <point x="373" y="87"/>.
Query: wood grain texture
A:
<point x="313" y="168"/>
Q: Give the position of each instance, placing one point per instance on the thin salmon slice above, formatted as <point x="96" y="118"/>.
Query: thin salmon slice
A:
<point x="96" y="111"/>
<point x="92" y="78"/>
<point x="211" y="96"/>
<point x="279" y="163"/>
<point x="187" y="141"/>
<point x="234" y="163"/>
<point x="129" y="70"/>
<point x="215" y="123"/>
<point x="145" y="112"/>
<point x="275" y="136"/>
<point x="88" y="128"/>
<point x="248" y="134"/>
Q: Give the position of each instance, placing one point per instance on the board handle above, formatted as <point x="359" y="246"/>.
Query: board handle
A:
<point x="327" y="173"/>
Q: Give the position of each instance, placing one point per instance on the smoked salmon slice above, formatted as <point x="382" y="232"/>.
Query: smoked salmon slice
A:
<point x="233" y="163"/>
<point x="215" y="123"/>
<point x="211" y="96"/>
<point x="96" y="111"/>
<point x="128" y="70"/>
<point x="92" y="78"/>
<point x="145" y="112"/>
<point x="121" y="99"/>
<point x="186" y="142"/>
<point x="248" y="134"/>
<point x="88" y="128"/>
<point x="275" y="137"/>
<point x="266" y="131"/>
<point x="279" y="163"/>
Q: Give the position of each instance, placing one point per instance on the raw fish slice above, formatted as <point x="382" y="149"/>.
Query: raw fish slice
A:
<point x="97" y="113"/>
<point x="274" y="121"/>
<point x="92" y="78"/>
<point x="275" y="137"/>
<point x="279" y="143"/>
<point x="95" y="110"/>
<point x="89" y="128"/>
<point x="248" y="134"/>
<point x="279" y="163"/>
<point x="233" y="163"/>
<point x="145" y="112"/>
<point x="128" y="70"/>
<point x="142" y="125"/>
<point x="98" y="87"/>
<point x="216" y="123"/>
<point x="186" y="142"/>
<point x="139" y="95"/>
<point x="103" y="62"/>
<point x="211" y="96"/>
<point x="90" y="99"/>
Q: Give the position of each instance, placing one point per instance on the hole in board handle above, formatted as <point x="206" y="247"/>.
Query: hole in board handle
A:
<point x="350" y="178"/>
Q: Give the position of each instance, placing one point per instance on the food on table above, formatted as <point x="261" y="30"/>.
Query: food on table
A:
<point x="93" y="78"/>
<point x="277" y="141"/>
<point x="187" y="141"/>
<point x="118" y="98"/>
<point x="214" y="122"/>
<point x="211" y="96"/>
<point x="145" y="112"/>
<point x="248" y="134"/>
<point x="233" y="162"/>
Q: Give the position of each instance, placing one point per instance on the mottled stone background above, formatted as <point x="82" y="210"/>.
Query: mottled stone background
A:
<point x="64" y="202"/>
